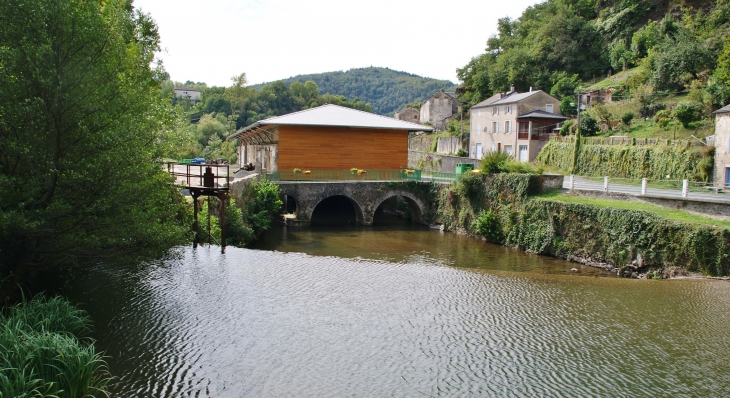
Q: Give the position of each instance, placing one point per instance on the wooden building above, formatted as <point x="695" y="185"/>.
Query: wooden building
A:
<point x="328" y="137"/>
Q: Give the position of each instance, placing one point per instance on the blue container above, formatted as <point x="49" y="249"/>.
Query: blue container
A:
<point x="198" y="161"/>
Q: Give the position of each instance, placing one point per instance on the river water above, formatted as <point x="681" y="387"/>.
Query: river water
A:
<point x="400" y="310"/>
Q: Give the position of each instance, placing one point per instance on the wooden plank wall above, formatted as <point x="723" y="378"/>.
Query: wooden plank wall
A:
<point x="340" y="148"/>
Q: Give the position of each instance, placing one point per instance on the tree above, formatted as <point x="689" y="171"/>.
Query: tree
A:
<point x="80" y="117"/>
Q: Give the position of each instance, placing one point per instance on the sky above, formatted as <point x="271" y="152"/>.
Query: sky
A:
<point x="213" y="40"/>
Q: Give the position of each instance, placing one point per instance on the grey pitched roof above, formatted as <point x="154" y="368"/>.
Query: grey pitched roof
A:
<point x="541" y="114"/>
<point x="724" y="109"/>
<point x="187" y="89"/>
<point x="487" y="101"/>
<point x="335" y="116"/>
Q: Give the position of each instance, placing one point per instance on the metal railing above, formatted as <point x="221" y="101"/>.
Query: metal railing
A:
<point x="344" y="175"/>
<point x="194" y="175"/>
<point x="645" y="186"/>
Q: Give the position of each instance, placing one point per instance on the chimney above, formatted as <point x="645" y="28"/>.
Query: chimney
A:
<point x="530" y="88"/>
<point x="511" y="88"/>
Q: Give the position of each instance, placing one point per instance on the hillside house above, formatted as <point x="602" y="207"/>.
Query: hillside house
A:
<point x="328" y="137"/>
<point x="722" y="147"/>
<point x="408" y="114"/>
<point x="188" y="93"/>
<point x="439" y="109"/>
<point x="518" y="124"/>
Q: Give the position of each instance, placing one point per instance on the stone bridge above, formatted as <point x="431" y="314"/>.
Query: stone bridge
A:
<point x="365" y="197"/>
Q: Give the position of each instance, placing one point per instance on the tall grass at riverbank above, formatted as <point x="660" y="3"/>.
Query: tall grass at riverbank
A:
<point x="42" y="352"/>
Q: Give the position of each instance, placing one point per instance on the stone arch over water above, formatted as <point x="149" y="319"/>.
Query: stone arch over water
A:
<point x="416" y="205"/>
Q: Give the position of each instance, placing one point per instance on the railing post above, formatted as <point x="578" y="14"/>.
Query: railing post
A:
<point x="605" y="184"/>
<point x="571" y="183"/>
<point x="643" y="186"/>
<point x="685" y="188"/>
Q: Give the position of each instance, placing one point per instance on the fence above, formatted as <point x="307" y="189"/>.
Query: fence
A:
<point x="623" y="140"/>
<point x="645" y="186"/>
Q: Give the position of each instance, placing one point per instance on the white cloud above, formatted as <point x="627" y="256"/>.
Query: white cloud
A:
<point x="211" y="41"/>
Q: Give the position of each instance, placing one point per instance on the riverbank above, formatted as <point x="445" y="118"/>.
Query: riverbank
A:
<point x="505" y="209"/>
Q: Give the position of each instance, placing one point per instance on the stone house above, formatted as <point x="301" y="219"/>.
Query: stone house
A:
<point x="327" y="137"/>
<point x="189" y="93"/>
<point x="518" y="124"/>
<point x="438" y="109"/>
<point x="408" y="114"/>
<point x="722" y="146"/>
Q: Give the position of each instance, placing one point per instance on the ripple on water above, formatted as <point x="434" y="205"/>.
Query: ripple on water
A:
<point x="265" y="323"/>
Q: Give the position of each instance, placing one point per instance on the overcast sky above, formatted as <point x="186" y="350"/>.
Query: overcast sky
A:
<point x="211" y="41"/>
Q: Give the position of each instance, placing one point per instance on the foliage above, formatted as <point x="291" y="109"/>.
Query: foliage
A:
<point x="627" y="117"/>
<point x="588" y="125"/>
<point x="686" y="112"/>
<point x="80" y="120"/>
<point x="567" y="128"/>
<point x="42" y="355"/>
<point x="487" y="225"/>
<point x="560" y="45"/>
<point x="507" y="212"/>
<point x="462" y="153"/>
<point x="654" y="162"/>
<point x="261" y="202"/>
<point x="500" y="162"/>
<point x="384" y="89"/>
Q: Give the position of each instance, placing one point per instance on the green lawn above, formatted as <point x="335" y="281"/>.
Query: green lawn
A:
<point x="664" y="212"/>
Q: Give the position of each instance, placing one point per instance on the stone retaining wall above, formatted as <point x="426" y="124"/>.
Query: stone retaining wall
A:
<point x="447" y="164"/>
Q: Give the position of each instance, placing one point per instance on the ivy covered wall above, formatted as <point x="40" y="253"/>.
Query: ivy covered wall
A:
<point x="501" y="208"/>
<point x="654" y="162"/>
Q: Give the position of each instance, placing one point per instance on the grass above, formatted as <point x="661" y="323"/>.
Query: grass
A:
<point x="41" y="354"/>
<point x="615" y="80"/>
<point x="664" y="212"/>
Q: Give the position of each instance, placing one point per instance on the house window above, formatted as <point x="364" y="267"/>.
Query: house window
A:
<point x="508" y="149"/>
<point x="507" y="127"/>
<point x="495" y="127"/>
<point x="479" y="112"/>
<point x="494" y="110"/>
<point x="549" y="108"/>
<point x="508" y="109"/>
<point x="524" y="127"/>
<point x="479" y="128"/>
<point x="494" y="146"/>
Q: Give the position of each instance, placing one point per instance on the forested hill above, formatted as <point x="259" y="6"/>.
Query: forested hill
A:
<point x="563" y="46"/>
<point x="386" y="90"/>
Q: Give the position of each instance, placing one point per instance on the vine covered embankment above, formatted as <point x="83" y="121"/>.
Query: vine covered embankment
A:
<point x="654" y="162"/>
<point x="502" y="209"/>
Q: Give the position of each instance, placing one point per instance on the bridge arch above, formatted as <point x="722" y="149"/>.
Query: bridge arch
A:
<point x="417" y="206"/>
<point x="359" y="216"/>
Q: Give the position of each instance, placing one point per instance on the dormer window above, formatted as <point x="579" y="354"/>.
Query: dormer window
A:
<point x="549" y="108"/>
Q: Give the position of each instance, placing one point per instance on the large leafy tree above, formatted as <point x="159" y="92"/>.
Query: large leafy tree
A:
<point x="80" y="124"/>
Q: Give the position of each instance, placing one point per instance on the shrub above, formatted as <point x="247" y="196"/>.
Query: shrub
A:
<point x="588" y="125"/>
<point x="462" y="153"/>
<point x="687" y="112"/>
<point x="567" y="128"/>
<point x="493" y="162"/>
<point x="627" y="117"/>
<point x="487" y="225"/>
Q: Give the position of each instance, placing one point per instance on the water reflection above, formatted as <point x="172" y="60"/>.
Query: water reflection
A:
<point x="400" y="312"/>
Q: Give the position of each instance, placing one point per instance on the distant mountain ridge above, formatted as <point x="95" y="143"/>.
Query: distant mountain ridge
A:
<point x="386" y="90"/>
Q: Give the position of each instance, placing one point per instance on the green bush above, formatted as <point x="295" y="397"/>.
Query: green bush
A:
<point x="687" y="112"/>
<point x="567" y="128"/>
<point x="487" y="225"/>
<point x="588" y="125"/>
<point x="627" y="117"/>
<point x="462" y="153"/>
<point x="493" y="162"/>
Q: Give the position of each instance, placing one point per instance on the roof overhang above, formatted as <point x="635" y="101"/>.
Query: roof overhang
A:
<point x="259" y="126"/>
<point x="257" y="135"/>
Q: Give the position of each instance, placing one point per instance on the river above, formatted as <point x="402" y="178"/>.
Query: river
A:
<point x="400" y="310"/>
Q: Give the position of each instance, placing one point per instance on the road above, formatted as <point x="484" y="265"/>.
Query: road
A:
<point x="581" y="183"/>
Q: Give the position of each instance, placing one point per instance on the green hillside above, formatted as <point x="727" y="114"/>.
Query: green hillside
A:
<point x="667" y="61"/>
<point x="386" y="90"/>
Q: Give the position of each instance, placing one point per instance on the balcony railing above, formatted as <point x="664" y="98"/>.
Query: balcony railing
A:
<point x="523" y="136"/>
